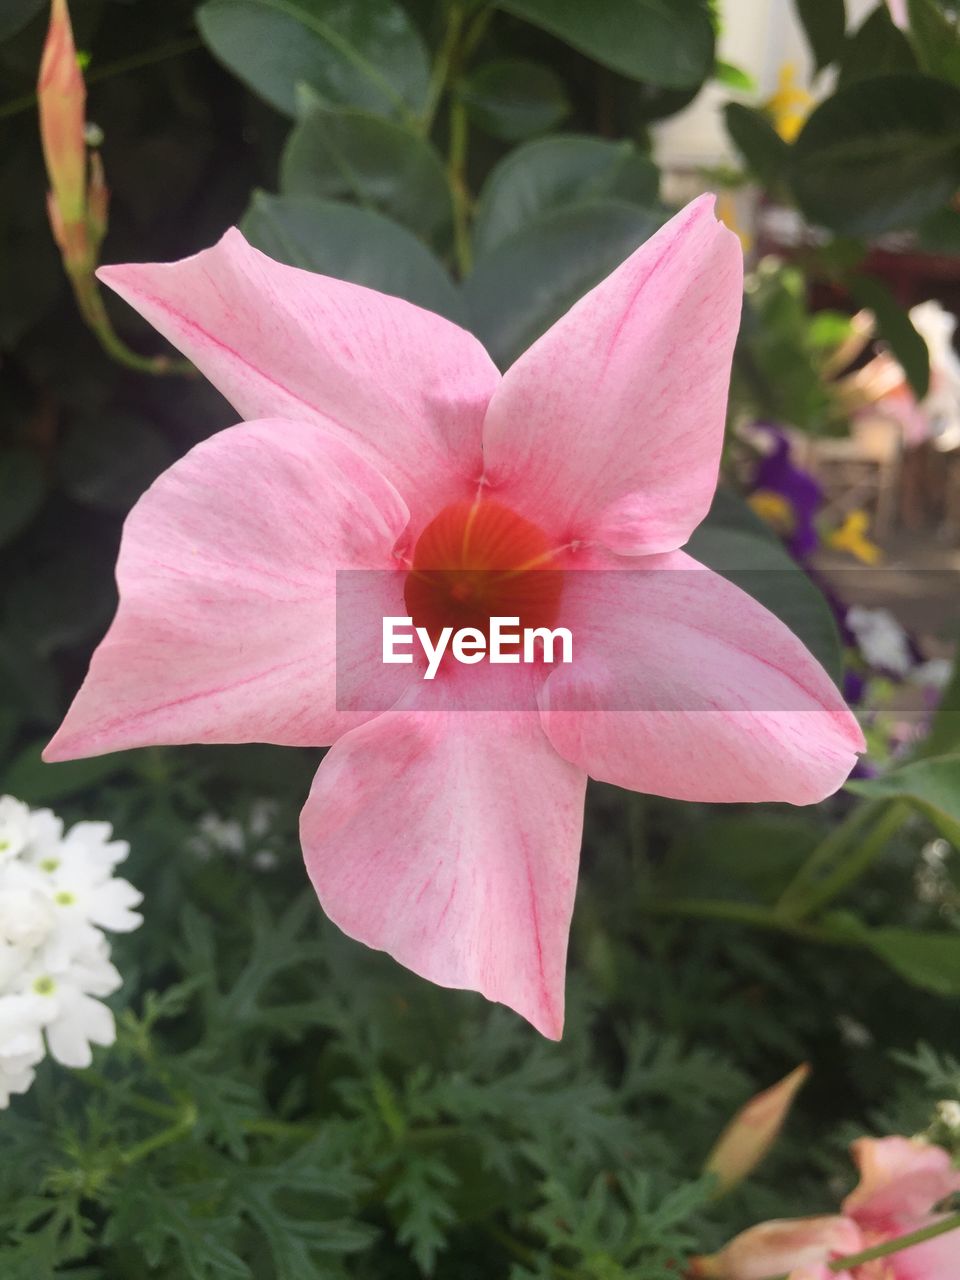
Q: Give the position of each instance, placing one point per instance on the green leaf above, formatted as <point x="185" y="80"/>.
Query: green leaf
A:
<point x="353" y="244"/>
<point x="362" y="53"/>
<point x="940" y="233"/>
<point x="549" y="174"/>
<point x="880" y="154"/>
<point x="110" y="461"/>
<point x="733" y="77"/>
<point x="345" y="154"/>
<point x="936" y="40"/>
<point x="878" y="47"/>
<point x="517" y="290"/>
<point x="734" y="542"/>
<point x="21" y="490"/>
<point x="514" y="99"/>
<point x="897" y="329"/>
<point x="924" y="959"/>
<point x="944" y="735"/>
<point x="825" y="23"/>
<point x="663" y="42"/>
<point x="34" y="782"/>
<point x="16" y="14"/>
<point x="930" y="785"/>
<point x="757" y="141"/>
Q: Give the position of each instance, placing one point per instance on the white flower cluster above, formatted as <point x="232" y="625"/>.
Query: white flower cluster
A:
<point x="57" y="893"/>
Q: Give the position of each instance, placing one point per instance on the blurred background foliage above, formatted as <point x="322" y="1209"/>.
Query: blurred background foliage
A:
<point x="280" y="1103"/>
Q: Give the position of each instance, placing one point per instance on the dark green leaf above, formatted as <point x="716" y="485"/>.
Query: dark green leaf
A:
<point x="341" y="153"/>
<point x="353" y="244"/>
<point x="880" y="154"/>
<point x="16" y="14"/>
<point x="514" y="99"/>
<point x="757" y="141"/>
<point x="362" y="53"/>
<point x="736" y="543"/>
<point x="876" y="48"/>
<point x="825" y="22"/>
<point x="664" y="42"/>
<point x="552" y="173"/>
<point x="927" y="960"/>
<point x="21" y="490"/>
<point x="932" y="786"/>
<point x="518" y="289"/>
<point x="897" y="330"/>
<point x="936" y="39"/>
<point x="36" y="783"/>
<point x="111" y="461"/>
<point x="940" y="233"/>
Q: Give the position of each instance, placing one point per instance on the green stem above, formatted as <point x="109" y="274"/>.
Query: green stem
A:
<point x="165" y="1138"/>
<point x="524" y="1253"/>
<point x="842" y="857"/>
<point x="150" y="1107"/>
<point x="456" y="170"/>
<point x="442" y="66"/>
<point x="87" y="294"/>
<point x="888" y="1247"/>
<point x="134" y="63"/>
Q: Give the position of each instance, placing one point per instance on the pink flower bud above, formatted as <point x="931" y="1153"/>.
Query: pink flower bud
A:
<point x="62" y="100"/>
<point x="752" y="1131"/>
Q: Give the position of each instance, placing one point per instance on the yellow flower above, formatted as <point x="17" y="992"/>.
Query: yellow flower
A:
<point x="790" y="104"/>
<point x="852" y="537"/>
<point x="773" y="509"/>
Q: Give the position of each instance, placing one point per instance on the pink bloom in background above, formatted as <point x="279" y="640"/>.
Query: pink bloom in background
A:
<point x="381" y="437"/>
<point x="901" y="1180"/>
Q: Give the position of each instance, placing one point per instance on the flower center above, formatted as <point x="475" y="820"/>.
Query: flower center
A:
<point x="479" y="560"/>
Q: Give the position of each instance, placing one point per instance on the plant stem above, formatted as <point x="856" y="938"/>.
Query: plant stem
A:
<point x="442" y="66"/>
<point x="165" y="1138"/>
<point x="87" y="293"/>
<point x="134" y="63"/>
<point x="842" y="857"/>
<point x="456" y="171"/>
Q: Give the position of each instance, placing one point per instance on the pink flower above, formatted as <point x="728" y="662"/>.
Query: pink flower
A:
<point x="381" y="438"/>
<point x="901" y="1180"/>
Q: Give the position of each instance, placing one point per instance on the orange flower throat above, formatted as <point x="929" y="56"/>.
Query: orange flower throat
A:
<point x="478" y="560"/>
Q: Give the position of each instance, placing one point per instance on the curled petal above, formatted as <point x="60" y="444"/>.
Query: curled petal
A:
<point x="901" y="1179"/>
<point x="781" y="1246"/>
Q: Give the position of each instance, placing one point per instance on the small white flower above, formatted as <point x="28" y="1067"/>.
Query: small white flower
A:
<point x="14" y="827"/>
<point x="949" y="1112"/>
<point x="57" y="893"/>
<point x="882" y="640"/>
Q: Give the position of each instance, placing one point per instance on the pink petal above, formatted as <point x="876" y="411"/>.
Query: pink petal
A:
<point x="450" y="840"/>
<point x="225" y="630"/>
<point x="609" y="428"/>
<point x="682" y="685"/>
<point x="937" y="1259"/>
<point x="407" y="385"/>
<point x="901" y="1179"/>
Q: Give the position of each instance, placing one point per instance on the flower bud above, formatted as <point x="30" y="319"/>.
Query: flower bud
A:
<point x="62" y="100"/>
<point x="752" y="1131"/>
